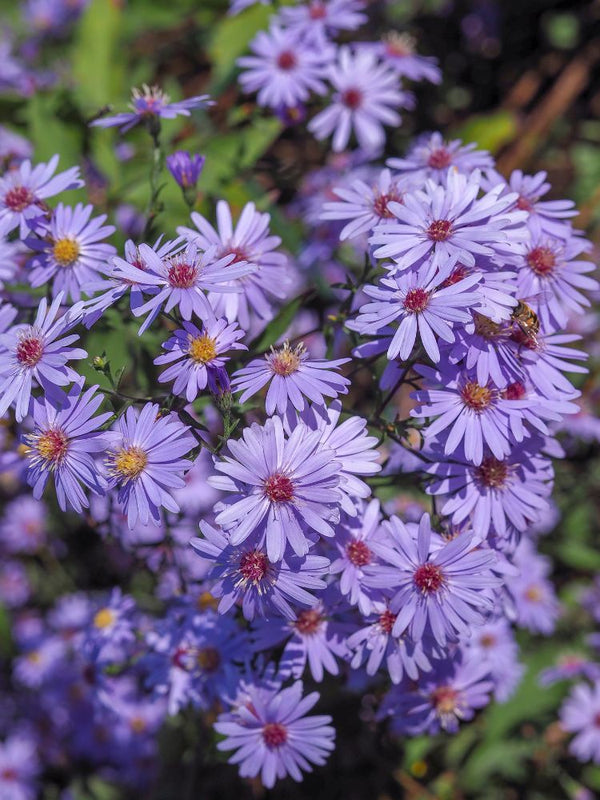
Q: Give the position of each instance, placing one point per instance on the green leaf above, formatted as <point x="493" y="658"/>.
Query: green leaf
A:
<point x="489" y="131"/>
<point x="230" y="40"/>
<point x="278" y="326"/>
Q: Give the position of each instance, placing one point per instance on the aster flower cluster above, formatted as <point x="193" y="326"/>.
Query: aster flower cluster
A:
<point x="237" y="465"/>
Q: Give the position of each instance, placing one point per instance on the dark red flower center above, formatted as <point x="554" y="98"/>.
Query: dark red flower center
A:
<point x="541" y="260"/>
<point x="386" y="621"/>
<point x="439" y="230"/>
<point x="254" y="565"/>
<point x="238" y="255"/>
<point x="9" y="774"/>
<point x="308" y="621"/>
<point x="487" y="640"/>
<point x="444" y="699"/>
<point x="428" y="578"/>
<point x="475" y="396"/>
<point x="317" y="11"/>
<point x="457" y="275"/>
<point x="492" y="472"/>
<point x="182" y="275"/>
<point x="18" y="198"/>
<point x="358" y="553"/>
<point x="208" y="659"/>
<point x="440" y="158"/>
<point x="279" y="488"/>
<point x="29" y="350"/>
<point x="515" y="391"/>
<point x="416" y="300"/>
<point x="597" y="720"/>
<point x="352" y="98"/>
<point x="286" y="60"/>
<point x="523" y="204"/>
<point x="380" y="204"/>
<point x="274" y="735"/>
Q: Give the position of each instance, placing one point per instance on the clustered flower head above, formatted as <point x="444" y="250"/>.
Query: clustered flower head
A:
<point x="241" y="478"/>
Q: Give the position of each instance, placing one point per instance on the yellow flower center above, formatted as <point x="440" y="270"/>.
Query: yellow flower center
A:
<point x="66" y="252"/>
<point x="51" y="446"/>
<point x="202" y="349"/>
<point x="285" y="361"/>
<point x="104" y="618"/>
<point x="129" y="462"/>
<point x="137" y="724"/>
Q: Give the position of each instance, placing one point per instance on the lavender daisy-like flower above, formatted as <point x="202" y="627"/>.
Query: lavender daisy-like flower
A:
<point x="318" y="17"/>
<point x="451" y="223"/>
<point x="364" y="205"/>
<point x="366" y="97"/>
<point x="375" y="644"/>
<point x="146" y="462"/>
<point x="551" y="275"/>
<point x="180" y="280"/>
<point x="19" y="768"/>
<point x="433" y="157"/>
<point x="399" y="51"/>
<point x="273" y="736"/>
<point x="185" y="168"/>
<point x="289" y="485"/>
<point x="475" y="414"/>
<point x="423" y="305"/>
<point x="536" y="607"/>
<point x="37" y="353"/>
<point x="442" y="699"/>
<point x="249" y="242"/>
<point x="293" y="375"/>
<point x="61" y="446"/>
<point x="243" y="574"/>
<point x="70" y="251"/>
<point x="150" y="104"/>
<point x="441" y="591"/>
<point x="193" y="352"/>
<point x="285" y="68"/>
<point x="496" y="494"/>
<point x="580" y="714"/>
<point x="23" y="192"/>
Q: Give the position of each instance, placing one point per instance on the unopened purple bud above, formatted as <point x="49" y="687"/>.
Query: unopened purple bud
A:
<point x="185" y="168"/>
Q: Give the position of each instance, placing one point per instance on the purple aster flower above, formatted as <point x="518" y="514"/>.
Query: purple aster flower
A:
<point x="352" y="542"/>
<point x="535" y="604"/>
<point x="111" y="628"/>
<point x="311" y="639"/>
<point x="196" y="352"/>
<point x="496" y="288"/>
<point x="36" y="353"/>
<point x="476" y="415"/>
<point x="420" y="305"/>
<point x="192" y="657"/>
<point x="244" y="574"/>
<point x="375" y="644"/>
<point x="365" y="205"/>
<point x="398" y="50"/>
<point x="181" y="278"/>
<point x="353" y="449"/>
<point x="293" y="375"/>
<point x="185" y="168"/>
<point x="273" y="736"/>
<point x="569" y="666"/>
<point x="150" y="105"/>
<point x="61" y="446"/>
<point x="441" y="591"/>
<point x="318" y="17"/>
<point x="542" y="215"/>
<point x="23" y="192"/>
<point x="451" y="223"/>
<point x="580" y="714"/>
<point x="248" y="242"/>
<point x="146" y="462"/>
<point x="39" y="664"/>
<point x="70" y="250"/>
<point x="497" y="493"/>
<point x="13" y="147"/>
<point x="285" y="68"/>
<point x="15" y="588"/>
<point x="551" y="275"/>
<point x="287" y="485"/>
<point x="24" y="525"/>
<point x="19" y="768"/>
<point x="493" y="645"/>
<point x="366" y="97"/>
<point x="433" y="157"/>
<point x="442" y="699"/>
<point x="545" y="358"/>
